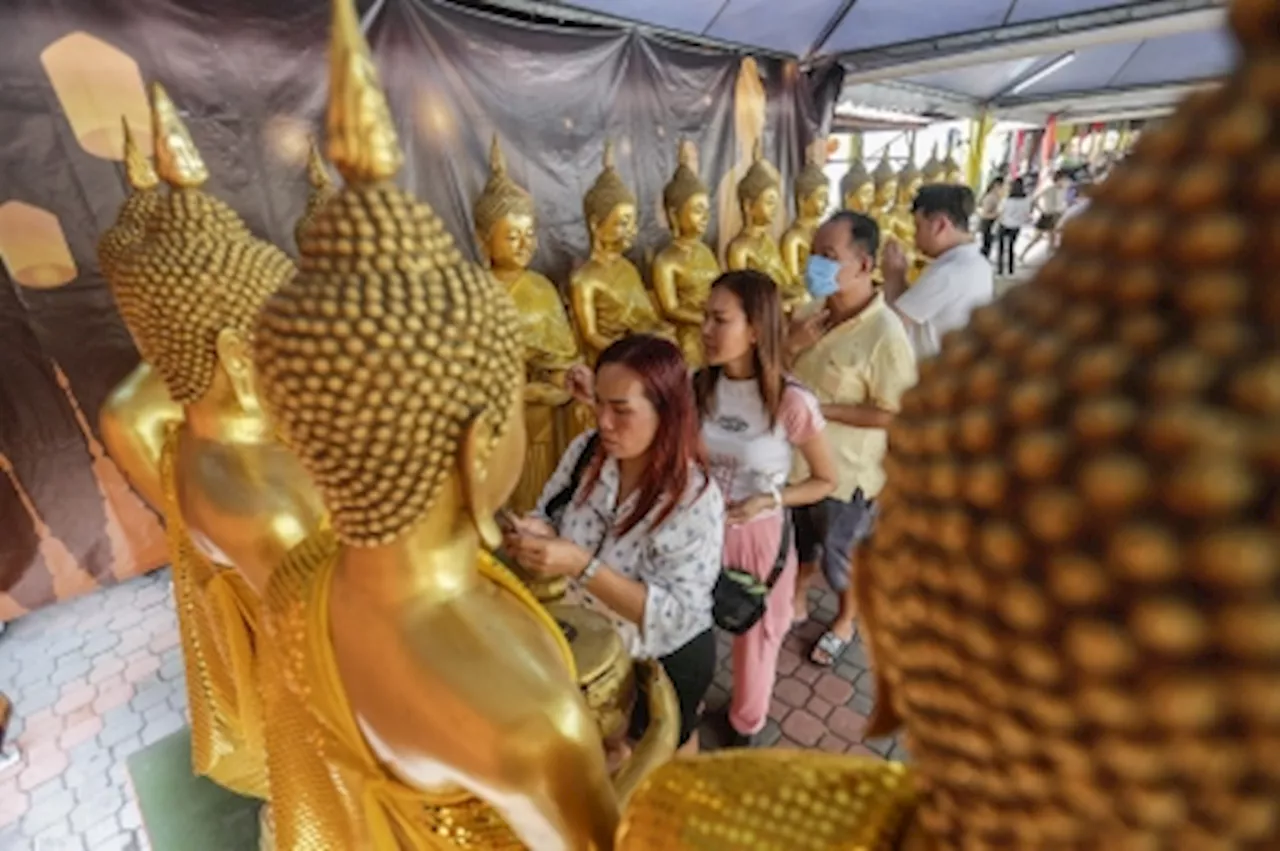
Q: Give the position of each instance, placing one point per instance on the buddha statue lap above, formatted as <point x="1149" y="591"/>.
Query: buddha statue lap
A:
<point x="684" y="271"/>
<point x="759" y="195"/>
<point x="188" y="288"/>
<point x="812" y="195"/>
<point x="1072" y="593"/>
<point x="609" y="298"/>
<point x="427" y="699"/>
<point x="506" y="230"/>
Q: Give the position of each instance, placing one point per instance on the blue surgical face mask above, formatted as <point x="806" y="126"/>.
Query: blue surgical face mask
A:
<point x="820" y="276"/>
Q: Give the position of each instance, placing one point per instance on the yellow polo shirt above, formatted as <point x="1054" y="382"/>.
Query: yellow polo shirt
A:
<point x="865" y="360"/>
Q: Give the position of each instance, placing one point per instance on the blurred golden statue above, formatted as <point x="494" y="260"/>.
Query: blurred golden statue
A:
<point x="952" y="172"/>
<point x="322" y="190"/>
<point x="932" y="172"/>
<point x="609" y="299"/>
<point x="506" y="230"/>
<point x="684" y="271"/>
<point x="857" y="189"/>
<point x="813" y="195"/>
<point x="425" y="698"/>
<point x="900" y="221"/>
<point x="759" y="195"/>
<point x="189" y="287"/>
<point x="1073" y="592"/>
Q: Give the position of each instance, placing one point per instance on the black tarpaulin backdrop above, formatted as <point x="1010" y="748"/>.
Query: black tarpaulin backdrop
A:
<point x="251" y="80"/>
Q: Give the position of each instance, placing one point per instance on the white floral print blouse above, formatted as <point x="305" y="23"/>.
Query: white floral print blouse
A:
<point x="678" y="561"/>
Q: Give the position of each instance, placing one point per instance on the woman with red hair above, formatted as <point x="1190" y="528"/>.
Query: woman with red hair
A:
<point x="632" y="517"/>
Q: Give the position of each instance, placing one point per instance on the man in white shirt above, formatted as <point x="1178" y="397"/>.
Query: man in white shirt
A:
<point x="959" y="278"/>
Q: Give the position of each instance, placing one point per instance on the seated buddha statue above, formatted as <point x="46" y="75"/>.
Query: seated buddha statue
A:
<point x="952" y="172"/>
<point x="506" y="230"/>
<point x="759" y="196"/>
<point x="234" y="499"/>
<point x="885" y="180"/>
<point x="684" y="270"/>
<point x="857" y="189"/>
<point x="427" y="700"/>
<point x="932" y="171"/>
<point x="812" y="196"/>
<point x="608" y="297"/>
<point x="1072" y="594"/>
<point x="901" y="219"/>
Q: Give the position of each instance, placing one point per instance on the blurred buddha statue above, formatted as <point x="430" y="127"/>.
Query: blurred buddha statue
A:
<point x="189" y="291"/>
<point x="425" y="698"/>
<point x="1073" y="592"/>
<point x="857" y="189"/>
<point x="506" y="230"/>
<point x="812" y="196"/>
<point x="684" y="271"/>
<point x="932" y="172"/>
<point x="609" y="299"/>
<point x="321" y="190"/>
<point x="885" y="180"/>
<point x="759" y="195"/>
<point x="952" y="172"/>
<point x="900" y="219"/>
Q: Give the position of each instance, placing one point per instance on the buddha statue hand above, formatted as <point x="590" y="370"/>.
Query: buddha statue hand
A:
<point x="661" y="739"/>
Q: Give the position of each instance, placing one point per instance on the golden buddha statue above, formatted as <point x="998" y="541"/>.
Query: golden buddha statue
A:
<point x="952" y="172"/>
<point x="425" y="699"/>
<point x="932" y="172"/>
<point x="1072" y="593"/>
<point x="321" y="190"/>
<point x="857" y="189"/>
<point x="885" y="180"/>
<point x="609" y="299"/>
<point x="189" y="292"/>
<point x="900" y="221"/>
<point x="759" y="195"/>
<point x="505" y="221"/>
<point x="813" y="195"/>
<point x="684" y="271"/>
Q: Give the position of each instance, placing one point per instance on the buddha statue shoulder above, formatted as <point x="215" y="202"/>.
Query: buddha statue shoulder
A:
<point x="685" y="269"/>
<point x="506" y="230"/>
<point x="812" y="196"/>
<point x="135" y="417"/>
<point x="857" y="188"/>
<point x="759" y="196"/>
<point x="608" y="296"/>
<point x="1072" y="592"/>
<point x="435" y="700"/>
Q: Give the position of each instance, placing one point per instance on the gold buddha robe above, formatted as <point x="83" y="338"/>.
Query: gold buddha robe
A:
<point x="551" y="348"/>
<point x="218" y="624"/>
<point x="623" y="306"/>
<point x="329" y="789"/>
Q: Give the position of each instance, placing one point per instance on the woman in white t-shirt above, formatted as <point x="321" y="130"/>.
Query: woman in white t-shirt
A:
<point x="753" y="417"/>
<point x="1015" y="214"/>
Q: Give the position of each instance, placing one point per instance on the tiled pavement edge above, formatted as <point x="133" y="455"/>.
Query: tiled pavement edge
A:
<point x="99" y="677"/>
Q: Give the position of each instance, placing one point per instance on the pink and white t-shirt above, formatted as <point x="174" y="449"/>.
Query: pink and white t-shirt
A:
<point x="749" y="457"/>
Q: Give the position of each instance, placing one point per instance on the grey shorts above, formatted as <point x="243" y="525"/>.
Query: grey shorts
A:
<point x="827" y="532"/>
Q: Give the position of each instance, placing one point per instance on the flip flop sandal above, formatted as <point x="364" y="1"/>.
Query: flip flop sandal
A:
<point x="832" y="646"/>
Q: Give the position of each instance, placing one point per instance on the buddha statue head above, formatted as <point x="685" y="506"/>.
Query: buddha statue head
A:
<point x="610" y="209"/>
<point x="909" y="180"/>
<point x="857" y="189"/>
<point x="932" y="171"/>
<point x="758" y="191"/>
<point x="886" y="183"/>
<point x="192" y="286"/>
<point x="686" y="199"/>
<point x="813" y="190"/>
<point x="505" y="218"/>
<point x="1073" y="592"/>
<point x="391" y="365"/>
<point x="321" y="190"/>
<point x="131" y="223"/>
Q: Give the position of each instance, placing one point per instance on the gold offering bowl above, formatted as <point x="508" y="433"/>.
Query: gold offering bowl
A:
<point x="606" y="674"/>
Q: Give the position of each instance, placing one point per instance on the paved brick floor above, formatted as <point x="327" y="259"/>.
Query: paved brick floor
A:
<point x="100" y="677"/>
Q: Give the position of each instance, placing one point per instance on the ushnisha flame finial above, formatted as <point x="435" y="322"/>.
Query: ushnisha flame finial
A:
<point x="687" y="155"/>
<point x="317" y="171"/>
<point x="757" y="151"/>
<point x="497" y="160"/>
<point x="363" y="145"/>
<point x="178" y="163"/>
<point x="138" y="169"/>
<point x="607" y="158"/>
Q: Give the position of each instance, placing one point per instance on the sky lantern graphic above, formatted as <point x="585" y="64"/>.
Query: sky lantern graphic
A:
<point x="96" y="84"/>
<point x="34" y="248"/>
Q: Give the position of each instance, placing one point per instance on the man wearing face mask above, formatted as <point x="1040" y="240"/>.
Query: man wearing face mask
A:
<point x="959" y="278"/>
<point x="851" y="350"/>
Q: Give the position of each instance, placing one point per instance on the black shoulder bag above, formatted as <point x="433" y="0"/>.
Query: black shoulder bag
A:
<point x="740" y="599"/>
<point x="557" y="504"/>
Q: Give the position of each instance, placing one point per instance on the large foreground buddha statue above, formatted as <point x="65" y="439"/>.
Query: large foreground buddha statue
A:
<point x="754" y="247"/>
<point x="1073" y="594"/>
<point x="425" y="699"/>
<point x="189" y="287"/>
<point x="609" y="299"/>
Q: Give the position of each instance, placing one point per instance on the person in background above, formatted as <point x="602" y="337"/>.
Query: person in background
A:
<point x="1049" y="204"/>
<point x="1015" y="214"/>
<point x="753" y="419"/>
<point x="853" y="352"/>
<point x="641" y="536"/>
<point x="1084" y="192"/>
<point x="989" y="214"/>
<point x="959" y="278"/>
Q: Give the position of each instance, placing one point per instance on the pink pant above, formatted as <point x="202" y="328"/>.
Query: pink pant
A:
<point x="753" y="547"/>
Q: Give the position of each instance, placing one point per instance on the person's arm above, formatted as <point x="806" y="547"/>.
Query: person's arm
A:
<point x="583" y="296"/>
<point x="858" y="416"/>
<point x="801" y="416"/>
<point x="664" y="289"/>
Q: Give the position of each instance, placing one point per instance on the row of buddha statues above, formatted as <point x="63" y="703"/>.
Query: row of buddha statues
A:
<point x="1071" y="604"/>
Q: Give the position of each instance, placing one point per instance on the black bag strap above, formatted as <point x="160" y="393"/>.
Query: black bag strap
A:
<point x="784" y="548"/>
<point x="557" y="503"/>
